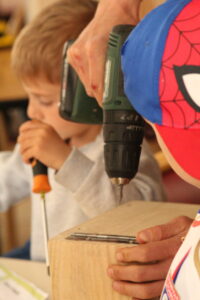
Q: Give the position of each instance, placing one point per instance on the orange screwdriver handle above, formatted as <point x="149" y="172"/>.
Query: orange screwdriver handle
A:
<point x="40" y="178"/>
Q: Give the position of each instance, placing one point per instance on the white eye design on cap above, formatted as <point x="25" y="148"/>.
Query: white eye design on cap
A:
<point x="188" y="79"/>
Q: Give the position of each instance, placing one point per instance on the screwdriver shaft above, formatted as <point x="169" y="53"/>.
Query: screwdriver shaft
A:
<point x="46" y="231"/>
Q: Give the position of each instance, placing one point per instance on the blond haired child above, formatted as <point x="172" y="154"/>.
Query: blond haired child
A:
<point x="73" y="152"/>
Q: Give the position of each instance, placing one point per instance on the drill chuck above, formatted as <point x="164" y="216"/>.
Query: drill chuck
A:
<point x="123" y="135"/>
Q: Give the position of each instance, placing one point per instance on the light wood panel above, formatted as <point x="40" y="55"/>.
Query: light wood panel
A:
<point x="78" y="268"/>
<point x="15" y="226"/>
<point x="11" y="92"/>
<point x="10" y="86"/>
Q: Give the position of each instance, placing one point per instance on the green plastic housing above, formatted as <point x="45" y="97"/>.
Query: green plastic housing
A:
<point x="75" y="104"/>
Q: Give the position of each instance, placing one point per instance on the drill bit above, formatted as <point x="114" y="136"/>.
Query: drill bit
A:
<point x="121" y="186"/>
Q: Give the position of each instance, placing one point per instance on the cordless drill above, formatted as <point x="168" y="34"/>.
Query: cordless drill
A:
<point x="123" y="128"/>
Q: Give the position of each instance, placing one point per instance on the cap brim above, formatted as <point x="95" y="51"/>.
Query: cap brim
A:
<point x="182" y="149"/>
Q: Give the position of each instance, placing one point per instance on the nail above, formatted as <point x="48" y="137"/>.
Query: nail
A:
<point x="110" y="272"/>
<point x="119" y="256"/>
<point x="144" y="237"/>
<point x="116" y="285"/>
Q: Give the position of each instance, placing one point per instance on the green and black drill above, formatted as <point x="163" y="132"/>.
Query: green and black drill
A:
<point x="123" y="127"/>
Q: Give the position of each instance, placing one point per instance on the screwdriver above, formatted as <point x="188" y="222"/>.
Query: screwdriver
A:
<point x="41" y="186"/>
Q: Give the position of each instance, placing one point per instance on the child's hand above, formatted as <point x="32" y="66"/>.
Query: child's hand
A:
<point x="40" y="141"/>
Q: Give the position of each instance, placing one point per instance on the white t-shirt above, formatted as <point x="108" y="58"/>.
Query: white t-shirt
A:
<point x="183" y="279"/>
<point x="81" y="189"/>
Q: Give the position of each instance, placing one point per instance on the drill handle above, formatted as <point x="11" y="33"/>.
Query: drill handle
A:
<point x="40" y="177"/>
<point x="114" y="96"/>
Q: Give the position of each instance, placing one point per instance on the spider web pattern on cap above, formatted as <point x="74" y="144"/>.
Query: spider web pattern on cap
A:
<point x="179" y="85"/>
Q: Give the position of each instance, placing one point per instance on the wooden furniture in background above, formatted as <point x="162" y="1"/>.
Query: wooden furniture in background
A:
<point x="78" y="268"/>
<point x="15" y="226"/>
<point x="11" y="89"/>
<point x="12" y="94"/>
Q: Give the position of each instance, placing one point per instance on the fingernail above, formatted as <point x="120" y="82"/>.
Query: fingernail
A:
<point x="110" y="272"/>
<point x="116" y="285"/>
<point x="119" y="256"/>
<point x="144" y="237"/>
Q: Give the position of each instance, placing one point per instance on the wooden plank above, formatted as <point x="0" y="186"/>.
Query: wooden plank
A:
<point x="78" y="268"/>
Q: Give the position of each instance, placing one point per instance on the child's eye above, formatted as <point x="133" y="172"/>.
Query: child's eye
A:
<point x="47" y="103"/>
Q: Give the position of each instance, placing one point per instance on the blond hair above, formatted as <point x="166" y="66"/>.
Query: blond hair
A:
<point x="37" y="50"/>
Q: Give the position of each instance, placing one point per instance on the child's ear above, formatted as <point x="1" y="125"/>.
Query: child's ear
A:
<point x="173" y="163"/>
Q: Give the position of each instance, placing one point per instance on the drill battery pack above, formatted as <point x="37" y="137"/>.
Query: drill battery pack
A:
<point x="75" y="104"/>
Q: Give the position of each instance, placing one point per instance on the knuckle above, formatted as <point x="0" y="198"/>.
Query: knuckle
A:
<point x="73" y="52"/>
<point x="139" y="274"/>
<point x="37" y="148"/>
<point x="159" y="233"/>
<point x="116" y="273"/>
<point x="175" y="246"/>
<point x="126" y="255"/>
<point x="144" y="254"/>
<point x="145" y="292"/>
<point x="150" y="291"/>
<point x="122" y="288"/>
<point x="89" y="49"/>
<point x="156" y="233"/>
<point x="46" y="130"/>
<point x="42" y="136"/>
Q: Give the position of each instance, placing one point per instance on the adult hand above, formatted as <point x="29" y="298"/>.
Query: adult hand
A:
<point x="146" y="265"/>
<point x="41" y="141"/>
<point x="87" y="54"/>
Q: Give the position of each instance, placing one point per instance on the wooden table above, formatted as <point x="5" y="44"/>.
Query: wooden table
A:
<point x="35" y="272"/>
<point x="12" y="94"/>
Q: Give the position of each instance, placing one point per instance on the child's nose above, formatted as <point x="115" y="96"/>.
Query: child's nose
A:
<point x="33" y="112"/>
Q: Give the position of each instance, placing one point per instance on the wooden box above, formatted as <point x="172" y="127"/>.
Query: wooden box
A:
<point x="78" y="268"/>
